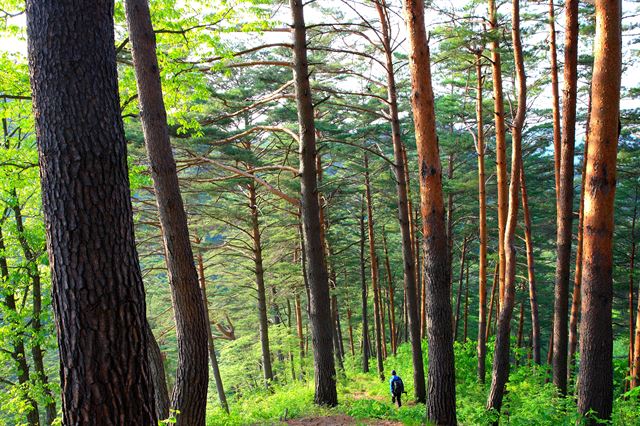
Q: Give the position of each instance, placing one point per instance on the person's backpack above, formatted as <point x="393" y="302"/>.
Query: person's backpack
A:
<point x="398" y="386"/>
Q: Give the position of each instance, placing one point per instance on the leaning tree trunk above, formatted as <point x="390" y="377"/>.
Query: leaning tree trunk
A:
<point x="503" y="333"/>
<point x="156" y="365"/>
<point x="189" y="396"/>
<point x="501" y="145"/>
<point x="98" y="296"/>
<point x="373" y="262"/>
<point x="565" y="199"/>
<point x="533" y="294"/>
<point x="461" y="280"/>
<point x="222" y="396"/>
<point x="319" y="301"/>
<point x="441" y="402"/>
<point x="595" y="379"/>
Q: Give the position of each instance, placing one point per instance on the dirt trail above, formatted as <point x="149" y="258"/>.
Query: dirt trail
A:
<point x="340" y="420"/>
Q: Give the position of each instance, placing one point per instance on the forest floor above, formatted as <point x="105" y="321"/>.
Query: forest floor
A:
<point x="340" y="420"/>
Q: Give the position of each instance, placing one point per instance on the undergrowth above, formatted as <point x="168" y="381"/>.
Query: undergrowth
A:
<point x="530" y="398"/>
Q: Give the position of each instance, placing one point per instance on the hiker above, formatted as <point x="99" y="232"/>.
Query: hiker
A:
<point x="397" y="388"/>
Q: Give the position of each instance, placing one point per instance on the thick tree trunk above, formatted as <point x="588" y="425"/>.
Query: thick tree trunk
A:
<point x="502" y="348"/>
<point x="441" y="403"/>
<point x="565" y="199"/>
<point x="98" y="296"/>
<point x="190" y="391"/>
<point x="533" y="295"/>
<point x="373" y="262"/>
<point x="222" y="397"/>
<point x="595" y="380"/>
<point x="263" y="320"/>
<point x="319" y="301"/>
<point x="501" y="146"/>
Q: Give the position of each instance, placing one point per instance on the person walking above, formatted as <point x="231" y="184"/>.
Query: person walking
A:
<point x="397" y="388"/>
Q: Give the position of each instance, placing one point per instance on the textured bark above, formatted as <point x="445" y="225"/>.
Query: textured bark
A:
<point x="18" y="354"/>
<point x="501" y="145"/>
<point x="635" y="377"/>
<point x="213" y="359"/>
<point x="565" y="199"/>
<point x="441" y="404"/>
<point x="363" y="285"/>
<point x="98" y="296"/>
<point x="263" y="320"/>
<point x="533" y="295"/>
<point x="502" y="348"/>
<point x="189" y="396"/>
<point x="482" y="226"/>
<point x="392" y="313"/>
<point x="156" y="366"/>
<point x="37" y="353"/>
<point x="319" y="299"/>
<point x="373" y="262"/>
<point x="595" y="379"/>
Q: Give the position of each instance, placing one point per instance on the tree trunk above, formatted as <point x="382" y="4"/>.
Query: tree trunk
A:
<point x="555" y="95"/>
<point x="156" y="365"/>
<point x="18" y="354"/>
<point x="401" y="172"/>
<point x="37" y="353"/>
<point x="299" y="325"/>
<point x="450" y="216"/>
<point x="461" y="279"/>
<point x="319" y="302"/>
<point x="263" y="320"/>
<point x="351" y="346"/>
<point x="635" y="376"/>
<point x="520" y="326"/>
<point x="363" y="283"/>
<point x="482" y="201"/>
<point x="222" y="397"/>
<point x="595" y="380"/>
<point x="502" y="351"/>
<point x="577" y="282"/>
<point x="501" y="145"/>
<point x="466" y="305"/>
<point x="441" y="404"/>
<point x="373" y="262"/>
<point x="494" y="286"/>
<point x="392" y="314"/>
<point x="190" y="391"/>
<point x="98" y="296"/>
<point x="565" y="199"/>
<point x="631" y="286"/>
<point x="533" y="297"/>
